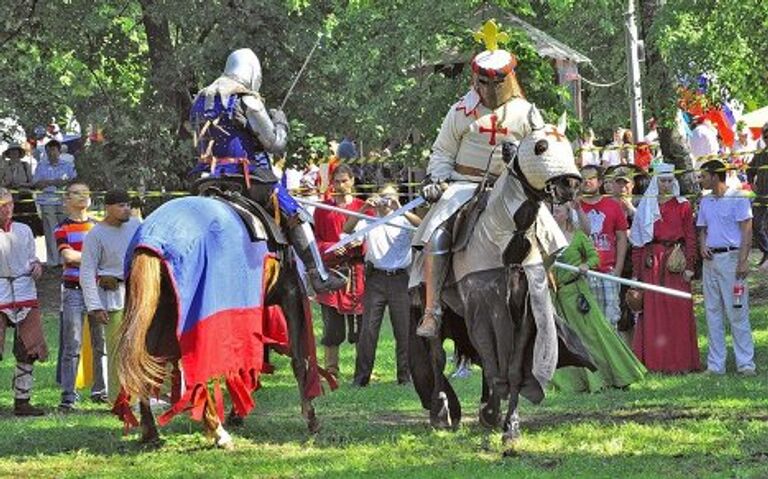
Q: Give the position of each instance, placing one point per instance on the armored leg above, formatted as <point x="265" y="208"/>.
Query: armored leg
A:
<point x="303" y="240"/>
<point x="436" y="261"/>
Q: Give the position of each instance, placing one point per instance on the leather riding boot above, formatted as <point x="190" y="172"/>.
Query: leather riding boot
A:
<point x="21" y="407"/>
<point x="435" y="269"/>
<point x="303" y="240"/>
<point x="332" y="360"/>
<point x="22" y="388"/>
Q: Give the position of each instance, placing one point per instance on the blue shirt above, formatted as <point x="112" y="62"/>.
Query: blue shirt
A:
<point x="63" y="170"/>
<point x="721" y="216"/>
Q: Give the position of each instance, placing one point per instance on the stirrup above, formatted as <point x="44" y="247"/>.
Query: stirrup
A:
<point x="427" y="328"/>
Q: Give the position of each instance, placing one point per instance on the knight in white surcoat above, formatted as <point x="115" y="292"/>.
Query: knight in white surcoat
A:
<point x="468" y="149"/>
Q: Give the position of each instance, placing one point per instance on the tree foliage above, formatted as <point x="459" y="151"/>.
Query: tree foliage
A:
<point x="131" y="67"/>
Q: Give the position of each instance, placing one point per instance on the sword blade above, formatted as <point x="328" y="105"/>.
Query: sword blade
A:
<point x="383" y="220"/>
<point x="362" y="216"/>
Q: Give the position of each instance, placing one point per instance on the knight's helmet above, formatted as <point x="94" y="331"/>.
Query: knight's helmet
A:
<point x="244" y="67"/>
<point x="493" y="70"/>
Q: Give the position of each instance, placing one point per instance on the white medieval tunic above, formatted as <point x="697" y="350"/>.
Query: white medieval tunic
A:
<point x="470" y="137"/>
<point x="18" y="293"/>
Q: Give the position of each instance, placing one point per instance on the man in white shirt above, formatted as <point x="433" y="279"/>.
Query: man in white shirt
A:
<point x="704" y="140"/>
<point x="101" y="273"/>
<point x="19" y="306"/>
<point x="612" y="154"/>
<point x="725" y="239"/>
<point x="387" y="261"/>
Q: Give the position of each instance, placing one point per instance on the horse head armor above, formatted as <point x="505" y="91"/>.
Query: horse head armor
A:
<point x="545" y="160"/>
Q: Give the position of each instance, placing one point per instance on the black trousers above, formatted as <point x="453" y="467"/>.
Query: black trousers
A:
<point x="760" y="227"/>
<point x="381" y="291"/>
<point x="335" y="326"/>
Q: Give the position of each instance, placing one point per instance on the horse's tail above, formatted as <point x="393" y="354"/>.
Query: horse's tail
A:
<point x="139" y="372"/>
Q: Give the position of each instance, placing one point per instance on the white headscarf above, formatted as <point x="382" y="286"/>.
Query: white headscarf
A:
<point x="648" y="212"/>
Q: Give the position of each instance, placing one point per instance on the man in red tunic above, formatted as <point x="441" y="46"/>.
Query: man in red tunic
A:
<point x="344" y="306"/>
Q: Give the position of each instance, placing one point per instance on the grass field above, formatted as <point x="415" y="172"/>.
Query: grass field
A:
<point x="692" y="426"/>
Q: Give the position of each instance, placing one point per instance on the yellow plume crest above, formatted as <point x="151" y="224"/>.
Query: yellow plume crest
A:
<point x="491" y="35"/>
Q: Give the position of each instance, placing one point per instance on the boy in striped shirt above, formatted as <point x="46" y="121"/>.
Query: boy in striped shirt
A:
<point x="69" y="241"/>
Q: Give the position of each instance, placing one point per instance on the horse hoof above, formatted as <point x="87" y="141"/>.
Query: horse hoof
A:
<point x="440" y="423"/>
<point x="511" y="437"/>
<point x="233" y="420"/>
<point x="313" y="426"/>
<point x="150" y="439"/>
<point x="227" y="444"/>
<point x="223" y="439"/>
<point x="489" y="417"/>
<point x="510" y="452"/>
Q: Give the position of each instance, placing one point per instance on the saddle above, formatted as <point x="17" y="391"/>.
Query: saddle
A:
<point x="467" y="217"/>
<point x="259" y="223"/>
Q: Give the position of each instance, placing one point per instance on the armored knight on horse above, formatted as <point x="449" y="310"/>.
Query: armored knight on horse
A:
<point x="212" y="280"/>
<point x="467" y="151"/>
<point x="490" y="274"/>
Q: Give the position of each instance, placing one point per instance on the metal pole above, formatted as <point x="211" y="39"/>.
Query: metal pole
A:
<point x="633" y="74"/>
<point x="634" y="284"/>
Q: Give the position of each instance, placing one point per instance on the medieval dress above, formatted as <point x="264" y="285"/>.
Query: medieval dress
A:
<point x="616" y="365"/>
<point x="665" y="337"/>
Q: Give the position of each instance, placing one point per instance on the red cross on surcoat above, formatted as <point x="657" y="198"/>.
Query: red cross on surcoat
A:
<point x="559" y="136"/>
<point x="493" y="130"/>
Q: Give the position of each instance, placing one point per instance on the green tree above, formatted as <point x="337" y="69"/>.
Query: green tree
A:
<point x="132" y="67"/>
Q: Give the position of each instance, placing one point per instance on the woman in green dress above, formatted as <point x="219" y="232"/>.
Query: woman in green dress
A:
<point x="616" y="365"/>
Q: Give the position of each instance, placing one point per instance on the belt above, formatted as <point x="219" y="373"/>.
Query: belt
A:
<point x="68" y="285"/>
<point x="472" y="171"/>
<point x="668" y="243"/>
<point x="723" y="250"/>
<point x="389" y="272"/>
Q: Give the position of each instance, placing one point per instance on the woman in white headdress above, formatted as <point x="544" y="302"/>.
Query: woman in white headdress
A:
<point x="664" y="253"/>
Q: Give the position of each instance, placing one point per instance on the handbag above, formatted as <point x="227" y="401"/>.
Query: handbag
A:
<point x="676" y="260"/>
<point x="582" y="304"/>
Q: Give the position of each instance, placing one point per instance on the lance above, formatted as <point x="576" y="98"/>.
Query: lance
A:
<point x="631" y="283"/>
<point x="380" y="221"/>
<point x="418" y="201"/>
<point x="301" y="71"/>
<point x="361" y="216"/>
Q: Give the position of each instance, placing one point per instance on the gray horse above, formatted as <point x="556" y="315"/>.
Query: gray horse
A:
<point x="498" y="306"/>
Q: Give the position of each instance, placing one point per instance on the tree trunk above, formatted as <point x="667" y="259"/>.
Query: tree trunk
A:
<point x="663" y="100"/>
<point x="165" y="77"/>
